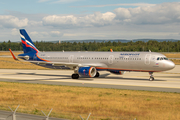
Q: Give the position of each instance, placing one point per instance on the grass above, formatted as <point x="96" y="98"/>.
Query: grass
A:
<point x="172" y="55"/>
<point x="8" y="53"/>
<point x="10" y="63"/>
<point x="107" y="104"/>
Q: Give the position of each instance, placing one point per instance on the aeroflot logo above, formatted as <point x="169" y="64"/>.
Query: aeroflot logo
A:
<point x="130" y="54"/>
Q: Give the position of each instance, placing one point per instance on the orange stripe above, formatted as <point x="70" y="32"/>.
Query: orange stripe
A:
<point x="42" y="59"/>
<point x="90" y="72"/>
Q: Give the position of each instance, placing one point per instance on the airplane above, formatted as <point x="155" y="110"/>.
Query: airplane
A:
<point x="88" y="64"/>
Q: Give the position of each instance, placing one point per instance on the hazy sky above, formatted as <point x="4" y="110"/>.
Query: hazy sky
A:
<point x="90" y="19"/>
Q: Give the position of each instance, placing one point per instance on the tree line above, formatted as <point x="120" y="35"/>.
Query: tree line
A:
<point x="155" y="46"/>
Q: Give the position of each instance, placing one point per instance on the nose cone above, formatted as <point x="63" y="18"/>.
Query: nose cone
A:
<point x="170" y="65"/>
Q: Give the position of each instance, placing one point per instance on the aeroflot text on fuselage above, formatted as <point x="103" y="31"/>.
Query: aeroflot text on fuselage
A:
<point x="130" y="54"/>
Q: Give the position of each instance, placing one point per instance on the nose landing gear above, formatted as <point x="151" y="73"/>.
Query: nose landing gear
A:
<point x="151" y="76"/>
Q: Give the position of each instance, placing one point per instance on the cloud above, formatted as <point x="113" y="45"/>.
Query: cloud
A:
<point x="58" y="1"/>
<point x="35" y="23"/>
<point x="9" y="21"/>
<point x="34" y="33"/>
<point x="164" y="13"/>
<point x="40" y="1"/>
<point x="158" y="14"/>
<point x="46" y="34"/>
<point x="69" y="21"/>
<point x="55" y="20"/>
<point x="128" y="4"/>
<point x="56" y="34"/>
<point x="66" y="1"/>
<point x="15" y="31"/>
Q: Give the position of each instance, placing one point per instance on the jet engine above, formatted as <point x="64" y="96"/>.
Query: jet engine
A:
<point x="117" y="72"/>
<point x="87" y="71"/>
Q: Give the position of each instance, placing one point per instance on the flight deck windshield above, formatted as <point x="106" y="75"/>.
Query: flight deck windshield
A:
<point x="162" y="58"/>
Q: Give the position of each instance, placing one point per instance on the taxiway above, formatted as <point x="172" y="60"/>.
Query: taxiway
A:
<point x="168" y="81"/>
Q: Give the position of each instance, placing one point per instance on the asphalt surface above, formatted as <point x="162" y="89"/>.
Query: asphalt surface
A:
<point x="168" y="81"/>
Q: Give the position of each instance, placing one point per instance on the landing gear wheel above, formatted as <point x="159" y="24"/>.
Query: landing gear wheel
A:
<point x="151" y="79"/>
<point x="97" y="74"/>
<point x="151" y="76"/>
<point x="75" y="76"/>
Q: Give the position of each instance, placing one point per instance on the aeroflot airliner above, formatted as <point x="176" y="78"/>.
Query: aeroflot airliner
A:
<point x="88" y="64"/>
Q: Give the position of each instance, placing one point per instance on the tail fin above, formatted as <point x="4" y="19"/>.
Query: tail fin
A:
<point x="28" y="45"/>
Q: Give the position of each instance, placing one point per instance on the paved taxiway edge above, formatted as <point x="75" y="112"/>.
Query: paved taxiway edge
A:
<point x="124" y="87"/>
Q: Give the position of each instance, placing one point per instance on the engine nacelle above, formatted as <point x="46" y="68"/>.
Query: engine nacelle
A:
<point x="87" y="71"/>
<point x="117" y="72"/>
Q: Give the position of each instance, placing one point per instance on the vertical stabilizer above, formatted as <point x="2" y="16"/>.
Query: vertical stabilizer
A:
<point x="28" y="45"/>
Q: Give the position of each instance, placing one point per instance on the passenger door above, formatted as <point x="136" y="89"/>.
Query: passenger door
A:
<point x="71" y="57"/>
<point x="110" y="60"/>
<point x="147" y="59"/>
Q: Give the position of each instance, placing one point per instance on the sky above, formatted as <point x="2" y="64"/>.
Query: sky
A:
<point x="50" y="20"/>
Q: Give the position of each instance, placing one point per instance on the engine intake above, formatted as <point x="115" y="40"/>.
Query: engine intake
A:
<point x="87" y="71"/>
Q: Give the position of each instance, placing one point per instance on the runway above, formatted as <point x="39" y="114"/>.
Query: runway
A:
<point x="168" y="81"/>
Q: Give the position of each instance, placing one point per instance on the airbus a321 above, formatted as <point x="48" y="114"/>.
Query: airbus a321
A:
<point x="88" y="64"/>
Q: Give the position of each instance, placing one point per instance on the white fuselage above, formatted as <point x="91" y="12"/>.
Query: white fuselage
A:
<point x="125" y="61"/>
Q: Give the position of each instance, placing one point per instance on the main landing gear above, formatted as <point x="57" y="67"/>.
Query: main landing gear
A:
<point x="76" y="76"/>
<point x="151" y="76"/>
<point x="97" y="74"/>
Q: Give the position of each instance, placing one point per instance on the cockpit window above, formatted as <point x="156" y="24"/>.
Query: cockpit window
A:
<point x="165" y="58"/>
<point x="162" y="58"/>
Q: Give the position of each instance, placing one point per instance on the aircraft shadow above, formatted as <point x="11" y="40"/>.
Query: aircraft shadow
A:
<point x="137" y="79"/>
<point x="43" y="74"/>
<point x="62" y="77"/>
<point x="104" y="76"/>
<point x="122" y="78"/>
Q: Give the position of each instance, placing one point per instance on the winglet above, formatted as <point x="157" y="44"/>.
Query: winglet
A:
<point x="111" y="50"/>
<point x="13" y="54"/>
